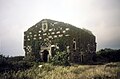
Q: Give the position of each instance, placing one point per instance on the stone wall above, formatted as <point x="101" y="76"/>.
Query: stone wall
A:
<point x="48" y="33"/>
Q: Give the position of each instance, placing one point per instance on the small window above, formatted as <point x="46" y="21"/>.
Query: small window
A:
<point x="34" y="38"/>
<point x="58" y="32"/>
<point x="45" y="34"/>
<point x="28" y="39"/>
<point x="64" y="31"/>
<point x="30" y="32"/>
<point x="67" y="29"/>
<point x="50" y="30"/>
<point x="60" y="35"/>
<point x="53" y="33"/>
<point x="40" y="31"/>
<point x="55" y="36"/>
<point x="67" y="35"/>
<point x="40" y="37"/>
<point x="45" y="39"/>
<point x="35" y="35"/>
<point x="49" y="36"/>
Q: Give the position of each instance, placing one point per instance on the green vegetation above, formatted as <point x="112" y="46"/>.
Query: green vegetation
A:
<point x="13" y="64"/>
<point x="59" y="67"/>
<point x="108" y="55"/>
<point x="48" y="71"/>
<point x="61" y="58"/>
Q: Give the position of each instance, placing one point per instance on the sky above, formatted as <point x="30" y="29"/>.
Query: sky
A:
<point x="102" y="17"/>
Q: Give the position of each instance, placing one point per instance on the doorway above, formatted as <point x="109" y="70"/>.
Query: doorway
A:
<point x="45" y="55"/>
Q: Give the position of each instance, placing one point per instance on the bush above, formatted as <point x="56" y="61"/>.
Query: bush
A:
<point x="109" y="55"/>
<point x="10" y="64"/>
<point x="61" y="58"/>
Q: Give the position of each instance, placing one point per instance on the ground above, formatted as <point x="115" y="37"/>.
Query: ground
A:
<point x="48" y="71"/>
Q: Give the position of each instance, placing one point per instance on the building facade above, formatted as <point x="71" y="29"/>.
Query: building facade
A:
<point x="44" y="38"/>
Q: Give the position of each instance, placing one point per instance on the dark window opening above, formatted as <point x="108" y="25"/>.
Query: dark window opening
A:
<point x="44" y="26"/>
<point x="74" y="44"/>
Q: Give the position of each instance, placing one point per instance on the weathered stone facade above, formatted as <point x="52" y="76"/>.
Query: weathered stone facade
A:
<point x="44" y="38"/>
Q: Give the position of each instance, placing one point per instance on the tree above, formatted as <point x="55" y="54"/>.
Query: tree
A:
<point x="109" y="54"/>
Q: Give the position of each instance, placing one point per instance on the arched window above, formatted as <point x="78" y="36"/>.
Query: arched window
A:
<point x="74" y="44"/>
<point x="44" y="26"/>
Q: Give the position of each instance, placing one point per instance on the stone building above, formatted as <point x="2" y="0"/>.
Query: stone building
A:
<point x="44" y="38"/>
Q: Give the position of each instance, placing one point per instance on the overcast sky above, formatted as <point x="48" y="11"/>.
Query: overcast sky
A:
<point x="102" y="17"/>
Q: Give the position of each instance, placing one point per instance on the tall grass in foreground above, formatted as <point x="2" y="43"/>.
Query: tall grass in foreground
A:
<point x="48" y="71"/>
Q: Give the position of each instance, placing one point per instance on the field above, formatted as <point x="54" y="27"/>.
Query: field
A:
<point x="48" y="71"/>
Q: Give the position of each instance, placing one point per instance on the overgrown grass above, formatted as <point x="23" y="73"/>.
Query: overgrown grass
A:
<point x="48" y="71"/>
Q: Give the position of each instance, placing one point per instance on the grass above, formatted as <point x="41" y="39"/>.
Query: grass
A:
<point x="48" y="71"/>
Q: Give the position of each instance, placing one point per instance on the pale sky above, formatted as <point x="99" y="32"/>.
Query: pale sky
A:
<point x="102" y="17"/>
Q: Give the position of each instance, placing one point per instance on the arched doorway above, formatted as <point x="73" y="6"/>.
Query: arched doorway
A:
<point x="45" y="55"/>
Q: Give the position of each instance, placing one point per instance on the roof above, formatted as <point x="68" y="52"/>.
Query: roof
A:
<point x="58" y="23"/>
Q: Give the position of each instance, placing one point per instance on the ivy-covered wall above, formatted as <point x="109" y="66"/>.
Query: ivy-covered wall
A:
<point x="79" y="43"/>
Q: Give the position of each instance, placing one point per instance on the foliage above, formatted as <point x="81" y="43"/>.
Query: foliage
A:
<point x="17" y="68"/>
<point x="62" y="44"/>
<point x="15" y="59"/>
<point x="49" y="71"/>
<point x="10" y="64"/>
<point x="88" y="31"/>
<point x="30" y="57"/>
<point x="61" y="58"/>
<point x="2" y="59"/>
<point x="109" y="55"/>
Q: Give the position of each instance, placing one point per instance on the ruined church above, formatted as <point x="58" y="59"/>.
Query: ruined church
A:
<point x="47" y="37"/>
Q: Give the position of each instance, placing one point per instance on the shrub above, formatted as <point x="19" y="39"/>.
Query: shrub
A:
<point x="109" y="55"/>
<point x="10" y="64"/>
<point x="61" y="58"/>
